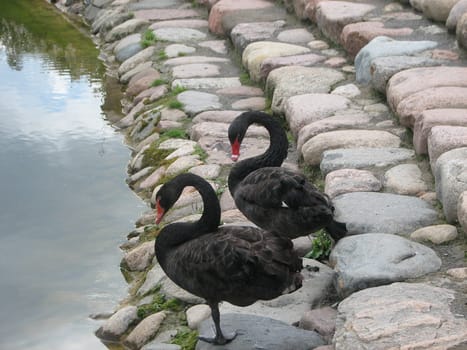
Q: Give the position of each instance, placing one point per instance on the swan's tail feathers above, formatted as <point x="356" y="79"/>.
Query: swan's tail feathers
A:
<point x="337" y="230"/>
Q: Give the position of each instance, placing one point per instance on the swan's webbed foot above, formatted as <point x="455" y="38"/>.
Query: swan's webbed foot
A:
<point x="219" y="338"/>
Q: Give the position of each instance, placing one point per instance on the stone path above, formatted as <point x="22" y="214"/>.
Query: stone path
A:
<point x="375" y="96"/>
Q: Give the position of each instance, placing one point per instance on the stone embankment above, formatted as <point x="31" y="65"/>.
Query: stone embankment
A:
<point x="375" y="97"/>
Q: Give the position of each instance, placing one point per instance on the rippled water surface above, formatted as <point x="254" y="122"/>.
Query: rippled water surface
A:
<point x="64" y="205"/>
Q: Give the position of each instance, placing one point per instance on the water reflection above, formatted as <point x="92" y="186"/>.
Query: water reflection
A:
<point x="64" y="206"/>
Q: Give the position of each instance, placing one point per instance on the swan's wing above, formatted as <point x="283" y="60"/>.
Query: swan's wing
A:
<point x="274" y="187"/>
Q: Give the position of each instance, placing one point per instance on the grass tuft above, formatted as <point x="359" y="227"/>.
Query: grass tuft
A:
<point x="186" y="338"/>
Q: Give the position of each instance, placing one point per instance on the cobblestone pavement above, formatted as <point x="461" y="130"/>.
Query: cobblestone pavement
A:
<point x="374" y="96"/>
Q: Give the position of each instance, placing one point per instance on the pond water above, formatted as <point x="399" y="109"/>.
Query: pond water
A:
<point x="64" y="204"/>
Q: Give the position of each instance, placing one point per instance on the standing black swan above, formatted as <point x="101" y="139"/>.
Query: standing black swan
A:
<point x="238" y="264"/>
<point x="272" y="197"/>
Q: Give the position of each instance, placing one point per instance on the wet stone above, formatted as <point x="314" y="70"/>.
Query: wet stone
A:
<point x="350" y="180"/>
<point x="389" y="212"/>
<point x="364" y="158"/>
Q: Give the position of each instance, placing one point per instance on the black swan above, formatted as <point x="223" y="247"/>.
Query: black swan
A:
<point x="274" y="198"/>
<point x="238" y="264"/>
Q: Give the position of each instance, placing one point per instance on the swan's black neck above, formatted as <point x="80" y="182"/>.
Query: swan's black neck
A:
<point x="175" y="234"/>
<point x="274" y="155"/>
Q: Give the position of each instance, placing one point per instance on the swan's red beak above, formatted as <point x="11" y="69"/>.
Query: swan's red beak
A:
<point x="235" y="150"/>
<point x="159" y="212"/>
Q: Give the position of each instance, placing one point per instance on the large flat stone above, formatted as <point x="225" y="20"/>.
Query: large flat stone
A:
<point x="356" y="120"/>
<point x="294" y="80"/>
<point x="355" y="36"/>
<point x="128" y="47"/>
<point x="435" y="117"/>
<point x="289" y="308"/>
<point x="180" y="23"/>
<point x="195" y="59"/>
<point x="165" y="14"/>
<point x="314" y="147"/>
<point x="255" y="53"/>
<point x="416" y="315"/>
<point x="219" y="130"/>
<point x="195" y="102"/>
<point x="383" y="46"/>
<point x="225" y="7"/>
<point x="350" y="180"/>
<point x="305" y="60"/>
<point x="410" y="108"/>
<point x="151" y="4"/>
<point x="207" y="83"/>
<point x="451" y="180"/>
<point x="179" y="35"/>
<point x="375" y="259"/>
<point x="390" y="213"/>
<point x="245" y="33"/>
<point x="411" y="81"/>
<point x="383" y="68"/>
<point x="332" y="16"/>
<point x="195" y="70"/>
<point x="126" y="28"/>
<point x="132" y="62"/>
<point x="364" y="158"/>
<point x="260" y="333"/>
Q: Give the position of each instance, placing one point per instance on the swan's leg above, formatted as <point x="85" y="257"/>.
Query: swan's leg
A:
<point x="220" y="338"/>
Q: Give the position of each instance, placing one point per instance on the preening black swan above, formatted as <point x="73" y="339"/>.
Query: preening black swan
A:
<point x="238" y="264"/>
<point x="274" y="198"/>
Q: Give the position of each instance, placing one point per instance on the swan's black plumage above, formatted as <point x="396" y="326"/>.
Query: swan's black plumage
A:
<point x="238" y="264"/>
<point x="274" y="198"/>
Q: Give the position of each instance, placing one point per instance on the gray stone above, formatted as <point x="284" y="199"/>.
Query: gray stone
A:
<point x="125" y="78"/>
<point x="139" y="258"/>
<point x="180" y="152"/>
<point x="350" y="180"/>
<point x="322" y="320"/>
<point x="153" y="278"/>
<point x="245" y="33"/>
<point x="462" y="210"/>
<point x="180" y="23"/>
<point x="161" y="346"/>
<point x="175" y="50"/>
<point x="126" y="28"/>
<point x="108" y="19"/>
<point x="437" y="10"/>
<point x="218" y="46"/>
<point x="375" y="259"/>
<point x="141" y="57"/>
<point x="302" y="245"/>
<point x="416" y="315"/>
<point x="455" y="14"/>
<point x="171" y="290"/>
<point x="195" y="70"/>
<point x="289" y="308"/>
<point x="313" y="149"/>
<point x="295" y="36"/>
<point x="304" y="60"/>
<point x="348" y="90"/>
<point x="459" y="273"/>
<point x="290" y="81"/>
<point x="176" y="143"/>
<point x="195" y="102"/>
<point x="151" y="4"/>
<point x="382" y="47"/>
<point x="145" y="330"/>
<point x="195" y="59"/>
<point x="436" y="234"/>
<point x="461" y="31"/>
<point x="451" y="180"/>
<point x="364" y="158"/>
<point x="255" y="332"/>
<point x="207" y="83"/>
<point x="179" y="35"/>
<point x="219" y="130"/>
<point x="118" y="324"/>
<point x="182" y="164"/>
<point x="383" y="68"/>
<point x="405" y="179"/>
<point x="152" y="180"/>
<point x="216" y="116"/>
<point x="251" y="103"/>
<point x="390" y="213"/>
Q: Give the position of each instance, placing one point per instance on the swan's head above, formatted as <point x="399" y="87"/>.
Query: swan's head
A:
<point x="166" y="198"/>
<point x="237" y="131"/>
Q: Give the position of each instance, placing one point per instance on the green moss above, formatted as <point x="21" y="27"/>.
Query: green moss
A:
<point x="162" y="55"/>
<point x="149" y="38"/>
<point x="150" y="233"/>
<point x="158" y="82"/>
<point x="177" y="89"/>
<point x="175" y="133"/>
<point x="155" y="157"/>
<point x="321" y="246"/>
<point x="314" y="175"/>
<point x="200" y="152"/>
<point x="159" y="303"/>
<point x="175" y="104"/>
<point x="245" y="78"/>
<point x="186" y="338"/>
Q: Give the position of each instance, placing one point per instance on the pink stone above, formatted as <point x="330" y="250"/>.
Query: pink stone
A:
<point x="445" y="138"/>
<point x="152" y="179"/>
<point x="322" y="320"/>
<point x="438" y="54"/>
<point x="410" y="81"/>
<point x="240" y="91"/>
<point x="455" y="14"/>
<point x="152" y="93"/>
<point x="252" y="103"/>
<point x="180" y="23"/>
<point x="356" y="35"/>
<point x="335" y="62"/>
<point x="216" y="116"/>
<point x="138" y="85"/>
<point x="333" y="16"/>
<point x="433" y="117"/>
<point x="410" y="108"/>
<point x="310" y="9"/>
<point x="296" y="60"/>
<point x="223" y="7"/>
<point x="164" y="14"/>
<point x="350" y="180"/>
